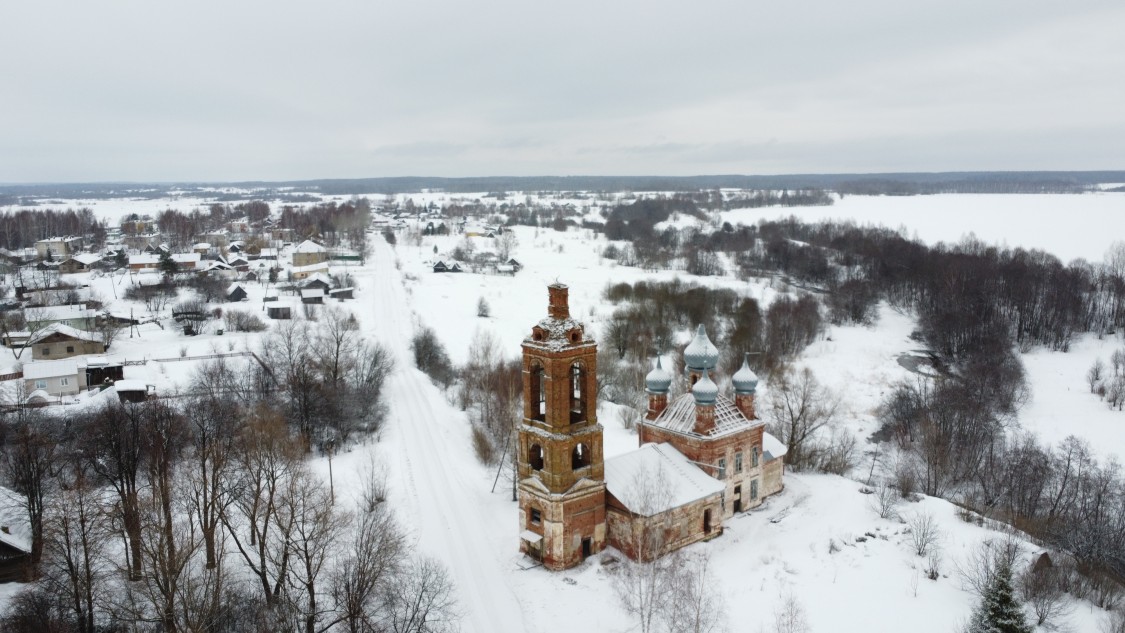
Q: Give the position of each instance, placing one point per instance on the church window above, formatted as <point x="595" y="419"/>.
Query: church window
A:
<point x="722" y="469"/>
<point x="754" y="489"/>
<point x="536" y="516"/>
<point x="577" y="393"/>
<point x="535" y="457"/>
<point x="580" y="457"/>
<point x="738" y="462"/>
<point x="538" y="395"/>
<point x="754" y="457"/>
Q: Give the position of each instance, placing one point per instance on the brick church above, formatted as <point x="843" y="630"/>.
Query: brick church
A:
<point x="703" y="457"/>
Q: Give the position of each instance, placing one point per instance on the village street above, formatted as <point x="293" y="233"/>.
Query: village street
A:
<point x="436" y="487"/>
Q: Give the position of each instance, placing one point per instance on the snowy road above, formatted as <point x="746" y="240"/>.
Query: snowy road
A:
<point x="437" y="488"/>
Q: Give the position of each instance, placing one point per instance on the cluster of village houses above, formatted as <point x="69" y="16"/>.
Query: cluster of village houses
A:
<point x="62" y="346"/>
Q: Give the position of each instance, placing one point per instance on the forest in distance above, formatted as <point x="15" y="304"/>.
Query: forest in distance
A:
<point x="297" y="191"/>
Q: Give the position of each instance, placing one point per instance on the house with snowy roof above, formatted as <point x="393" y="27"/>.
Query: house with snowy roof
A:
<point x="702" y="458"/>
<point x="63" y="341"/>
<point x="80" y="263"/>
<point x="75" y="315"/>
<point x="308" y="253"/>
<point x="57" y="247"/>
<point x="15" y="536"/>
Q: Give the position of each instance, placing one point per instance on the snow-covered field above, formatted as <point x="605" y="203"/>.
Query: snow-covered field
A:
<point x="805" y="542"/>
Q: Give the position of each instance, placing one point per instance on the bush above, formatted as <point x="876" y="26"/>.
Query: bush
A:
<point x="482" y="446"/>
<point x="483" y="309"/>
<point x="239" y="321"/>
<point x="430" y="356"/>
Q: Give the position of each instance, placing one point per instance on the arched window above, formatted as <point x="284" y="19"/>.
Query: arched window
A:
<point x="577" y="392"/>
<point x="537" y="397"/>
<point x="535" y="457"/>
<point x="580" y="457"/>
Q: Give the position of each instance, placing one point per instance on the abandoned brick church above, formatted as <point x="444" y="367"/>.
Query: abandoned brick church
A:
<point x="703" y="457"/>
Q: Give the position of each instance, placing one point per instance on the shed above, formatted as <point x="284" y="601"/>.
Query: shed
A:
<point x="279" y="312"/>
<point x="317" y="280"/>
<point x="312" y="295"/>
<point x="132" y="390"/>
<point x="15" y="536"/>
<point x="341" y="293"/>
<point x="235" y="292"/>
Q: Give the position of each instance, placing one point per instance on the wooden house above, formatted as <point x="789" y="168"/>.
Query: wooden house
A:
<point x="80" y="263"/>
<point x="63" y="341"/>
<point x="312" y="296"/>
<point x="235" y="292"/>
<point x="279" y="312"/>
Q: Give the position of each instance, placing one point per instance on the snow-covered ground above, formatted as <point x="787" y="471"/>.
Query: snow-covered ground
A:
<point x="1069" y="226"/>
<point x="812" y="552"/>
<point x="805" y="542"/>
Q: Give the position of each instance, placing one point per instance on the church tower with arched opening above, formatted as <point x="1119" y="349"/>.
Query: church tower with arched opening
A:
<point x="562" y="490"/>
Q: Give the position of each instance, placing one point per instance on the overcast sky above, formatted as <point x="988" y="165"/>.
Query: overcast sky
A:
<point x="240" y="89"/>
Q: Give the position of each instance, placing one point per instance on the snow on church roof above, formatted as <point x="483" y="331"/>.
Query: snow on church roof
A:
<point x="680" y="417"/>
<point x="772" y="448"/>
<point x="664" y="472"/>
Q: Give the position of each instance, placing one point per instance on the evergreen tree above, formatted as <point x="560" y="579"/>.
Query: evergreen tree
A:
<point x="168" y="265"/>
<point x="999" y="612"/>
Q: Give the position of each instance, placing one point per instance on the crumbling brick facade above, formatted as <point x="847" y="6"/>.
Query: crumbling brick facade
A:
<point x="560" y="464"/>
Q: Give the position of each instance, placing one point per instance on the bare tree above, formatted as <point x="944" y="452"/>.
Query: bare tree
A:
<point x="315" y="526"/>
<point x="790" y="617"/>
<point x="29" y="466"/>
<point x="266" y="460"/>
<point x="374" y="559"/>
<point x="110" y="442"/>
<point x="884" y="501"/>
<point x="1113" y="622"/>
<point x="645" y="582"/>
<point x="978" y="569"/>
<point x="799" y="406"/>
<point x="1094" y="374"/>
<point x="75" y="542"/>
<point x="421" y="600"/>
<point x="694" y="603"/>
<point x="1043" y="590"/>
<point x="925" y="534"/>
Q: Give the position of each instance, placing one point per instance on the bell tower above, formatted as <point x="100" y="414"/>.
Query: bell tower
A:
<point x="560" y="465"/>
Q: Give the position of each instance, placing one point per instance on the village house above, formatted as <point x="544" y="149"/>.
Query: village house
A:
<point x="80" y="263"/>
<point x="151" y="261"/>
<point x="318" y="280"/>
<point x="701" y="459"/>
<point x="77" y="316"/>
<point x="140" y="242"/>
<point x="63" y="341"/>
<point x="304" y="272"/>
<point x="308" y="253"/>
<point x="58" y="247"/>
<point x="56" y="378"/>
<point x="137" y="225"/>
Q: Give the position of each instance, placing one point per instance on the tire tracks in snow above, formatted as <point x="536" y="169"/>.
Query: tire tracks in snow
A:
<point x="441" y="491"/>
